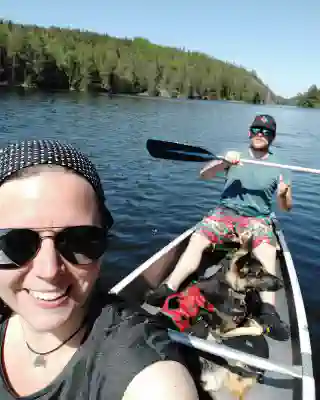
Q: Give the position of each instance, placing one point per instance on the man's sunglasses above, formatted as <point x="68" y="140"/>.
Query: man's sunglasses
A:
<point x="267" y="133"/>
<point x="79" y="245"/>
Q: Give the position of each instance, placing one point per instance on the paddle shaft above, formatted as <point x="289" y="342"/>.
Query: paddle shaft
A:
<point x="209" y="157"/>
<point x="270" y="164"/>
<point x="221" y="350"/>
<point x="185" y="152"/>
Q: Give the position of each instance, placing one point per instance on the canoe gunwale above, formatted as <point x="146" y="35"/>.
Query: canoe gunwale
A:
<point x="144" y="266"/>
<point x="308" y="381"/>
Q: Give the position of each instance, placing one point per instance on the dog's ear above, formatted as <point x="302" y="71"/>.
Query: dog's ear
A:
<point x="239" y="260"/>
<point x="246" y="240"/>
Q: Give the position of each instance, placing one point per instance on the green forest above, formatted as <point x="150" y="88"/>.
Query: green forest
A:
<point x="75" y="60"/>
<point x="33" y="57"/>
<point x="309" y="99"/>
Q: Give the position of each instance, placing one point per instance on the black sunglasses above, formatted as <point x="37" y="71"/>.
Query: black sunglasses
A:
<point x="265" y="132"/>
<point x="79" y="245"/>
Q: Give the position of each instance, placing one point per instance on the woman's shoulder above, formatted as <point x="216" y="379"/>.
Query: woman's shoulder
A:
<point x="133" y="329"/>
<point x="124" y="340"/>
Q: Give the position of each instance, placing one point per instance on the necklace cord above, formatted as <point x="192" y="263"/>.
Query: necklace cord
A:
<point x="60" y="345"/>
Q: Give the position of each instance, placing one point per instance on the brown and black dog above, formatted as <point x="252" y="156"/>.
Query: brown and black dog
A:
<point x="234" y="293"/>
<point x="237" y="285"/>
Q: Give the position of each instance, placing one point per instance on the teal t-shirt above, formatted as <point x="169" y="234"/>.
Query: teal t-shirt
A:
<point x="249" y="188"/>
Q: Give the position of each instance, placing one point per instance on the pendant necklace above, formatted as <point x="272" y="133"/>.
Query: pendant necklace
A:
<point x="40" y="360"/>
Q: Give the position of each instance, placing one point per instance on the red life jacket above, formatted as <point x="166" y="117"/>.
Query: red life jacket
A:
<point x="184" y="307"/>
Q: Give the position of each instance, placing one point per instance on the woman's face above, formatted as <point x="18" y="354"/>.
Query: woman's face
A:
<point x="47" y="291"/>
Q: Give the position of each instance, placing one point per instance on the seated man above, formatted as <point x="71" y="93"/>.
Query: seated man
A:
<point x="245" y="204"/>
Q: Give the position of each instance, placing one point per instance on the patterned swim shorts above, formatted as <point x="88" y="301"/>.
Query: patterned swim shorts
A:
<point x="223" y="225"/>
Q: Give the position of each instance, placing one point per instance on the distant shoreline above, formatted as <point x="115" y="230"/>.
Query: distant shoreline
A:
<point x="33" y="89"/>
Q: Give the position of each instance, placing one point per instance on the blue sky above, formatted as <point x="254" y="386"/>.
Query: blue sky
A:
<point x="277" y="38"/>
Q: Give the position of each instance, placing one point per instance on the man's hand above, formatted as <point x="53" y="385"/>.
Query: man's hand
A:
<point x="282" y="187"/>
<point x="284" y="195"/>
<point x="233" y="157"/>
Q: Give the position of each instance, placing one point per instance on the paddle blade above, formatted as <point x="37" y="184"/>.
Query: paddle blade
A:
<point x="178" y="151"/>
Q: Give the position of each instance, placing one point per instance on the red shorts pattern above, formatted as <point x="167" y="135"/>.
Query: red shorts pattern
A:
<point x="224" y="225"/>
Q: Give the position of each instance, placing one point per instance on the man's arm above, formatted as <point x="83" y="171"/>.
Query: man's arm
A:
<point x="214" y="167"/>
<point x="167" y="380"/>
<point x="211" y="169"/>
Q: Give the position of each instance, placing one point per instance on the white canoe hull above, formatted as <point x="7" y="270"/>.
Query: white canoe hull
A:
<point x="295" y="353"/>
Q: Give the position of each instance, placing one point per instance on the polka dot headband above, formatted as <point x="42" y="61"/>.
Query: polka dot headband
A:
<point x="25" y="154"/>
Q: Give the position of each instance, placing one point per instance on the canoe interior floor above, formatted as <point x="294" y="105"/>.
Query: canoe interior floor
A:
<point x="274" y="385"/>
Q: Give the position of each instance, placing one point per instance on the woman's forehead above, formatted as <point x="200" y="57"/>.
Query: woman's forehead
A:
<point x="50" y="198"/>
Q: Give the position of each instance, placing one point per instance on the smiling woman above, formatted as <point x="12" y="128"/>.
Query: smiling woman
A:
<point x="74" y="341"/>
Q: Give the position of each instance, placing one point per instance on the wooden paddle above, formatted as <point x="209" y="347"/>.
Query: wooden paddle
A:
<point x="185" y="152"/>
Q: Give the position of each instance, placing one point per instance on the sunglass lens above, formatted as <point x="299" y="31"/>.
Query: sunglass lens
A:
<point x="81" y="244"/>
<point x="264" y="132"/>
<point x="255" y="131"/>
<point x="18" y="246"/>
<point x="267" y="133"/>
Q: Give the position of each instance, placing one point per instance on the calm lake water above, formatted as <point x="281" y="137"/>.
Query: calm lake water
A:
<point x="152" y="201"/>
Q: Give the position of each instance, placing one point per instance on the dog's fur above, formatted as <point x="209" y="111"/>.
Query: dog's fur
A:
<point x="245" y="272"/>
<point x="234" y="292"/>
<point x="241" y="283"/>
<point x="234" y="378"/>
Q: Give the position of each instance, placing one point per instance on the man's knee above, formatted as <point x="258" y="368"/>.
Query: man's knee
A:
<point x="262" y="239"/>
<point x="198" y="242"/>
<point x="262" y="233"/>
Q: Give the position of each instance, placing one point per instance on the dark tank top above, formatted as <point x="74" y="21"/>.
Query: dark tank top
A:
<point x="120" y="343"/>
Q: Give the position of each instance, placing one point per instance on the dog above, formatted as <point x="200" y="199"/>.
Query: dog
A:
<point x="240" y="282"/>
<point x="246" y="272"/>
<point x="234" y="294"/>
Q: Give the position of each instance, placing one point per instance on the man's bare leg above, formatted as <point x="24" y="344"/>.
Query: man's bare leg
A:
<point x="267" y="255"/>
<point x="279" y="330"/>
<point x="187" y="264"/>
<point x="189" y="260"/>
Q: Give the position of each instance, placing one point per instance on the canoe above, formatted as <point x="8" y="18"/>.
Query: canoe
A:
<point x="291" y="373"/>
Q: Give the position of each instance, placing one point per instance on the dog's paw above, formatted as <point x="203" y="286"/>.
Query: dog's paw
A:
<point x="265" y="283"/>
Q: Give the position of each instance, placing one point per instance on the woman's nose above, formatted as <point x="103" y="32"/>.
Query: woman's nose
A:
<point x="47" y="263"/>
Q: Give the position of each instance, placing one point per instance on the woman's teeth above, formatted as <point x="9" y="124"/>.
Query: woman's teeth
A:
<point x="48" y="296"/>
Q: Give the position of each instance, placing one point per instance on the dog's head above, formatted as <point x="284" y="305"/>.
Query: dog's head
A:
<point x="244" y="253"/>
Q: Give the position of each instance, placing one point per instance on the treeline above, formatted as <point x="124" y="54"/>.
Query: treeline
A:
<point x="63" y="59"/>
<point x="309" y="99"/>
